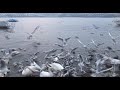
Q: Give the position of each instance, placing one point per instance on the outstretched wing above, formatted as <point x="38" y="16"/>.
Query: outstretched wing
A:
<point x="60" y="39"/>
<point x="99" y="44"/>
<point x="94" y="43"/>
<point x="76" y="37"/>
<point x="73" y="50"/>
<point x="51" y="51"/>
<point x="59" y="45"/>
<point x="110" y="35"/>
<point x="35" y="29"/>
<point x="67" y="39"/>
<point x="96" y="27"/>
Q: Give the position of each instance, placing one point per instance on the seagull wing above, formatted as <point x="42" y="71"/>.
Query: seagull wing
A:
<point x="95" y="26"/>
<point x="99" y="44"/>
<point x="35" y="29"/>
<point x="59" y="45"/>
<point x="74" y="49"/>
<point x="76" y="37"/>
<point x="110" y="35"/>
<point x="60" y="39"/>
<point x="94" y="43"/>
<point x="52" y="51"/>
<point x="67" y="39"/>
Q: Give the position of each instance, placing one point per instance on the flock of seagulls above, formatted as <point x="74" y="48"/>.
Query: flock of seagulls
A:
<point x="27" y="70"/>
<point x="66" y="63"/>
<point x="56" y="68"/>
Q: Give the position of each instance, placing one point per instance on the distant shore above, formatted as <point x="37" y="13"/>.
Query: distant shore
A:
<point x="60" y="15"/>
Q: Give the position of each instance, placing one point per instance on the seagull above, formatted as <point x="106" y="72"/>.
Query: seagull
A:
<point x="96" y="45"/>
<point x="51" y="51"/>
<point x="80" y="42"/>
<point x="31" y="34"/>
<point x="56" y="66"/>
<point x="73" y="50"/>
<point x="100" y="44"/>
<point x="96" y="27"/>
<point x="35" y="29"/>
<point x="113" y="38"/>
<point x="59" y="45"/>
<point x="64" y="40"/>
<point x="52" y="69"/>
<point x="46" y="74"/>
<point x="30" y="70"/>
<point x="61" y="39"/>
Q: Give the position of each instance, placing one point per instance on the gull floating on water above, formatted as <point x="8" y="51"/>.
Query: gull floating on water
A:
<point x="46" y="74"/>
<point x="30" y="70"/>
<point x="56" y="66"/>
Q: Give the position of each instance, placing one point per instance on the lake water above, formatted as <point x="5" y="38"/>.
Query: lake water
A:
<point x="51" y="28"/>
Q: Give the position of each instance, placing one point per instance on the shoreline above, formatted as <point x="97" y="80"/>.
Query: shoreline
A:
<point x="60" y="15"/>
<point x="56" y="17"/>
